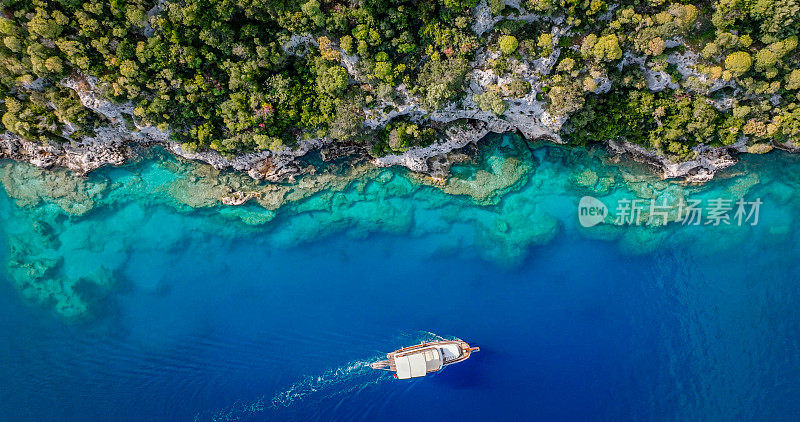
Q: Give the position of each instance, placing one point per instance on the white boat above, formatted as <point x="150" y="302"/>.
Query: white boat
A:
<point x="424" y="358"/>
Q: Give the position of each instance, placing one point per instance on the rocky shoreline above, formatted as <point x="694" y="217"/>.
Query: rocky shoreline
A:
<point x="122" y="138"/>
<point x="115" y="146"/>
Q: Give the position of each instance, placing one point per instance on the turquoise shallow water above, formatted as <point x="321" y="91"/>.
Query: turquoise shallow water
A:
<point x="121" y="301"/>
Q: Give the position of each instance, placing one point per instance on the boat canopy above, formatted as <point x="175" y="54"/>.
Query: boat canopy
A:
<point x="417" y="364"/>
<point x="433" y="360"/>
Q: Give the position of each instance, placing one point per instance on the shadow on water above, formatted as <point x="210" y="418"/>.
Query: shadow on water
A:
<point x="469" y="375"/>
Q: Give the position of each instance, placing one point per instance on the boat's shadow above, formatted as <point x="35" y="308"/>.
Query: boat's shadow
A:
<point x="470" y="374"/>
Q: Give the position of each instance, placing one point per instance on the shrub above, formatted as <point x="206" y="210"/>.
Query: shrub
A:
<point x="490" y="101"/>
<point x="333" y="80"/>
<point x="519" y="87"/>
<point x="442" y="81"/>
<point x="738" y="63"/>
<point x="508" y="44"/>
<point x="793" y="80"/>
<point x="607" y="48"/>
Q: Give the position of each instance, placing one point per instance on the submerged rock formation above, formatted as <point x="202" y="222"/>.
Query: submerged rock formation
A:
<point x="71" y="237"/>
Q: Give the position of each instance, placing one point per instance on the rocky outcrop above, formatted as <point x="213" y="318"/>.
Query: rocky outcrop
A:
<point x="237" y="198"/>
<point x="81" y="157"/>
<point x="468" y="123"/>
<point x="458" y="136"/>
<point x="279" y="168"/>
<point x="119" y="140"/>
<point x="698" y="170"/>
<point x="339" y="150"/>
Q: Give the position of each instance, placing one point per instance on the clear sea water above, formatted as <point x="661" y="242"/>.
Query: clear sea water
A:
<point x="208" y="318"/>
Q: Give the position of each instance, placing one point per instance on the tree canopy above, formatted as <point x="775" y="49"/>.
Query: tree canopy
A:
<point x="239" y="76"/>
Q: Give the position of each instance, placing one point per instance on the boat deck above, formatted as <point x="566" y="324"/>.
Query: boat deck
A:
<point x="452" y="351"/>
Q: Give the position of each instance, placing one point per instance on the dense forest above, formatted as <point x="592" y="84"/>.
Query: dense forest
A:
<point x="245" y="75"/>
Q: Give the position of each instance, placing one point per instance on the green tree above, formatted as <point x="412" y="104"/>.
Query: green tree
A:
<point x="43" y="25"/>
<point x="490" y="101"/>
<point x="519" y="87"/>
<point x="54" y="65"/>
<point x="738" y="63"/>
<point x="333" y="80"/>
<point x="607" y="48"/>
<point x="312" y="9"/>
<point x="442" y="81"/>
<point x="508" y="44"/>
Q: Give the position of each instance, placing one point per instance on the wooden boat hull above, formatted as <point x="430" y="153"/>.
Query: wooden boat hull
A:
<point x="440" y="354"/>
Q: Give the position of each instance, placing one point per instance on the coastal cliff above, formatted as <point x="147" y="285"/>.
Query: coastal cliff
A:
<point x="657" y="94"/>
<point x="122" y="139"/>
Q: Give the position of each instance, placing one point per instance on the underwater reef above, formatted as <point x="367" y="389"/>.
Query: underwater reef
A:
<point x="505" y="203"/>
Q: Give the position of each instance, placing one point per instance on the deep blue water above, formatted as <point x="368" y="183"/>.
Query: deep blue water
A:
<point x="578" y="332"/>
<point x="217" y="329"/>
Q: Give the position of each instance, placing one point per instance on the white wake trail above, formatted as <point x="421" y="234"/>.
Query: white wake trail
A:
<point x="351" y="377"/>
